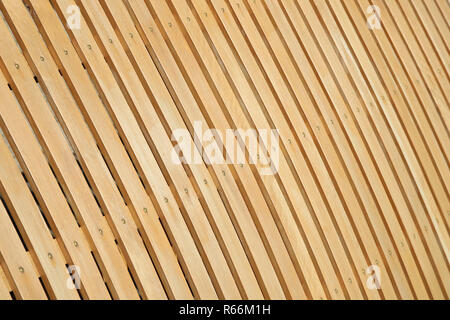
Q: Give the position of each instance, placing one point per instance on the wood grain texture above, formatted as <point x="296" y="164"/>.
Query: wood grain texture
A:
<point x="348" y="199"/>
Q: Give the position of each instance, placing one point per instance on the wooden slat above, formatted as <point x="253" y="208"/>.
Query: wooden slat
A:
<point x="392" y="223"/>
<point x="99" y="173"/>
<point x="124" y="222"/>
<point x="354" y="103"/>
<point x="4" y="287"/>
<point x="81" y="198"/>
<point x="439" y="11"/>
<point x="435" y="85"/>
<point x="39" y="173"/>
<point x="421" y="216"/>
<point x="426" y="11"/>
<point x="250" y="238"/>
<point x="28" y="217"/>
<point x="17" y="261"/>
<point x="95" y="95"/>
<point x="156" y="137"/>
<point x="223" y="173"/>
<point x="315" y="123"/>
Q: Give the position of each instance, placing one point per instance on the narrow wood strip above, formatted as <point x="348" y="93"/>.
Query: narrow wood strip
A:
<point x="202" y="86"/>
<point x="150" y="167"/>
<point x="234" y="107"/>
<point x="224" y="174"/>
<point x="417" y="173"/>
<point x="439" y="11"/>
<point x="394" y="158"/>
<point x="421" y="37"/>
<point x="27" y="215"/>
<point x="39" y="173"/>
<point x="349" y="95"/>
<point x="4" y="287"/>
<point x="127" y="179"/>
<point x="119" y="216"/>
<point x="256" y="251"/>
<point x="422" y="10"/>
<point x="155" y="134"/>
<point x="17" y="261"/>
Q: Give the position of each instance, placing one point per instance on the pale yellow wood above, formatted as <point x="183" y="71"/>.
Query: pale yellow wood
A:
<point x="155" y="134"/>
<point x="94" y="92"/>
<point x="434" y="214"/>
<point x="396" y="162"/>
<point x="261" y="261"/>
<point x="4" y="287"/>
<point x="439" y="11"/>
<point x="224" y="174"/>
<point x="392" y="224"/>
<point x="318" y="126"/>
<point x="123" y="170"/>
<point x="28" y="216"/>
<point x="431" y="69"/>
<point x="219" y="119"/>
<point x="420" y="39"/>
<point x="354" y="103"/>
<point x="429" y="16"/>
<point x="17" y="261"/>
<point x="61" y="155"/>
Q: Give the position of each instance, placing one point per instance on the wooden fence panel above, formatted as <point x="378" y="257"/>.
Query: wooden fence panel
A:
<point x="224" y="149"/>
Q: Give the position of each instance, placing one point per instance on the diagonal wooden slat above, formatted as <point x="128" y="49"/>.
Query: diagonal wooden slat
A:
<point x="103" y="102"/>
<point x="17" y="261"/>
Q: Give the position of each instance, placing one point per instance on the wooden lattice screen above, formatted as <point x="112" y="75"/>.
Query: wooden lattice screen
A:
<point x="347" y="197"/>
